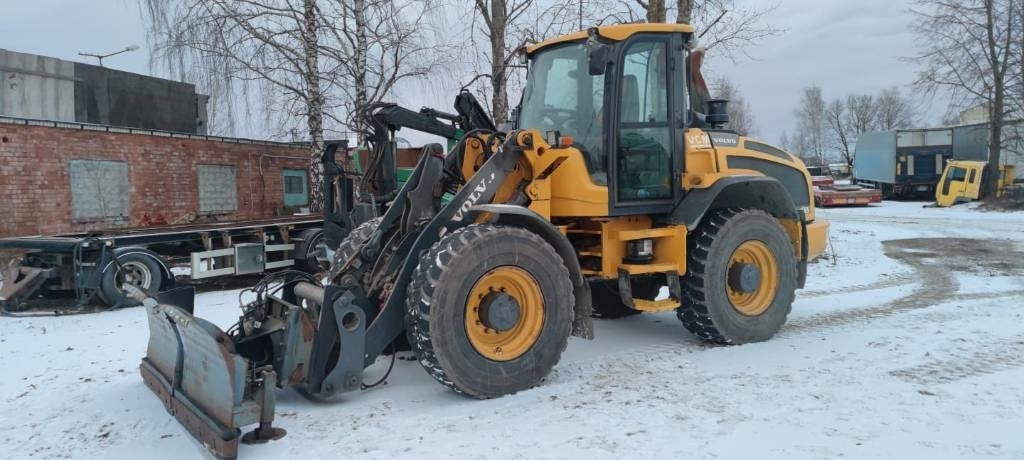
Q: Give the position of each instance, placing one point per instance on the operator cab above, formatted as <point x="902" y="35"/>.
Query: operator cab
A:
<point x="609" y="96"/>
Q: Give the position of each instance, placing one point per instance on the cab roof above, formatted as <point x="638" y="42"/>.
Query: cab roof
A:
<point x="615" y="32"/>
<point x="975" y="163"/>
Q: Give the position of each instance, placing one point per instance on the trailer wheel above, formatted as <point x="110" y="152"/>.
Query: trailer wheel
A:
<point x="608" y="303"/>
<point x="305" y="252"/>
<point x="489" y="310"/>
<point x="741" y="277"/>
<point x="136" y="268"/>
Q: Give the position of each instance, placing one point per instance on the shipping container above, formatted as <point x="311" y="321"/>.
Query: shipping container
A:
<point x="909" y="162"/>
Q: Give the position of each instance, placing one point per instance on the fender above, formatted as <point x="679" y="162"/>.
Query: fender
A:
<point x="761" y="192"/>
<point x="518" y="216"/>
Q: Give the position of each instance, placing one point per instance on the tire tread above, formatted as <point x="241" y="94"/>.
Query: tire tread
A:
<point x="426" y="278"/>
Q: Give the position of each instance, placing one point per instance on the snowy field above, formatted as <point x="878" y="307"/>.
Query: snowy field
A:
<point x="908" y="342"/>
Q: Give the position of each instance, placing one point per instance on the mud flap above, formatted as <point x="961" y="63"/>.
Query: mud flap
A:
<point x="193" y="368"/>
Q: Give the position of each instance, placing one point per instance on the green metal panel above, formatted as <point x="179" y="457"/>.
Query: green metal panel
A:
<point x="403" y="175"/>
<point x="296" y="187"/>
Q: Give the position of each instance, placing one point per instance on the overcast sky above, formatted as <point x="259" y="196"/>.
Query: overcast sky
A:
<point x="842" y="46"/>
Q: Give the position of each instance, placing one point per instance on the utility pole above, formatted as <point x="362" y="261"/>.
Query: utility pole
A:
<point x="101" y="56"/>
<point x="581" y="14"/>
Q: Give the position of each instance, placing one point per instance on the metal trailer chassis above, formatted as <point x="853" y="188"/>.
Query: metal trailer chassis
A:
<point x="68" y="265"/>
<point x="38" y="269"/>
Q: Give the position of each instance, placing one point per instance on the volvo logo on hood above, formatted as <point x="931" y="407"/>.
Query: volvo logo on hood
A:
<point x="724" y="139"/>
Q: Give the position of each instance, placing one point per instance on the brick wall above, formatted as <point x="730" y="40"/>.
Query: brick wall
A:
<point x="35" y="182"/>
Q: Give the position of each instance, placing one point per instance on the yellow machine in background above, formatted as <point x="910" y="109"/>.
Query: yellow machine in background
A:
<point x="962" y="181"/>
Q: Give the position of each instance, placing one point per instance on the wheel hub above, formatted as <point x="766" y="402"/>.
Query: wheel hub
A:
<point x="752" y="278"/>
<point x="744" y="277"/>
<point x="504" y="313"/>
<point x="499" y="311"/>
<point x="135" y="274"/>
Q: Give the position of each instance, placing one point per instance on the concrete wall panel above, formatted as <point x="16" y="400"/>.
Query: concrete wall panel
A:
<point x="36" y="87"/>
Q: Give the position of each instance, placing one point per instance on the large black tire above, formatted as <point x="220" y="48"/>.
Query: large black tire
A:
<point x="348" y="247"/>
<point x="709" y="310"/>
<point x="136" y="268"/>
<point x="355" y="239"/>
<point x="305" y="251"/>
<point x="608" y="303"/>
<point x="439" y="300"/>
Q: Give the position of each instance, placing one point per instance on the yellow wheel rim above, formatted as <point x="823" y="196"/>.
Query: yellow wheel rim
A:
<point x="752" y="294"/>
<point x="506" y="334"/>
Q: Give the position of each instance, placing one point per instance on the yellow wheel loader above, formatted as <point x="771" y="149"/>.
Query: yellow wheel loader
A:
<point x="618" y="182"/>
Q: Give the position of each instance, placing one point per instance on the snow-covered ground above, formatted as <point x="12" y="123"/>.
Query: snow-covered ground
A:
<point x="908" y="342"/>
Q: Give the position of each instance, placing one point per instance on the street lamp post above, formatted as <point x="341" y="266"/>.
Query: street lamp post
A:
<point x="101" y="56"/>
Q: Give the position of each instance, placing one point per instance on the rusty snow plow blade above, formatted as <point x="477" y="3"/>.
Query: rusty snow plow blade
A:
<point x="194" y="369"/>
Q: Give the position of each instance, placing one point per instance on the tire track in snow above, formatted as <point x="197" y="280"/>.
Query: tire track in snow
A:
<point x="934" y="262"/>
<point x="997" y="356"/>
<point x="994" y="225"/>
<point x="901" y="305"/>
<point x="671" y="351"/>
<point x="935" y="270"/>
<point x="900" y="279"/>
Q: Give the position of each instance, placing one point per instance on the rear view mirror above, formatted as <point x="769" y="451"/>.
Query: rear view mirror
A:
<point x="597" y="57"/>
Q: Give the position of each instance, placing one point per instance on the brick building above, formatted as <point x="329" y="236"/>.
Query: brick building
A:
<point x="68" y="177"/>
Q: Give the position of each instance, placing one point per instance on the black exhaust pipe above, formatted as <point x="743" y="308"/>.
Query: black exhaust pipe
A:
<point x="718" y="113"/>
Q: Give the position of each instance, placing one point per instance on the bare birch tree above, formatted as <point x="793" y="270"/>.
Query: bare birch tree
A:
<point x="861" y="113"/>
<point x="893" y="110"/>
<point x="741" y="119"/>
<point x="811" y="133"/>
<point x="967" y="49"/>
<point x="307" y="57"/>
<point x="375" y="45"/>
<point x="272" y="42"/>
<point x="684" y="11"/>
<point x="857" y="114"/>
<point x="727" y="25"/>
<point x="498" y="18"/>
<point x="656" y="10"/>
<point x="785" y="142"/>
<point x="837" y="120"/>
<point x="507" y="26"/>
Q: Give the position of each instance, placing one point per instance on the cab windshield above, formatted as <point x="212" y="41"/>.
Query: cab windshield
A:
<point x="561" y="95"/>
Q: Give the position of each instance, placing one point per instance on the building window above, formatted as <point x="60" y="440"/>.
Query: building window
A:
<point x="296" y="191"/>
<point x="99" y="191"/>
<point x="218" y="189"/>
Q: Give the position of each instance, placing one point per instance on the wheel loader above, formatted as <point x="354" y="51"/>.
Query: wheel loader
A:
<point x="618" y="184"/>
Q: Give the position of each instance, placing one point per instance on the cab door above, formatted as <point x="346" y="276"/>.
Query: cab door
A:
<point x="972" y="185"/>
<point x="952" y="186"/>
<point x="644" y="139"/>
